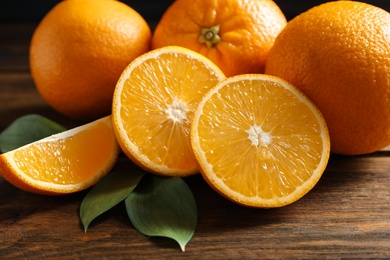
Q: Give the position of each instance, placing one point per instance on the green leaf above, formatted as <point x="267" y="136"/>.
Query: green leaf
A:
<point x="108" y="192"/>
<point x="27" y="129"/>
<point x="162" y="206"/>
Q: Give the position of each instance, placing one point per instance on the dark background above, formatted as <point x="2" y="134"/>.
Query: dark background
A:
<point x="34" y="10"/>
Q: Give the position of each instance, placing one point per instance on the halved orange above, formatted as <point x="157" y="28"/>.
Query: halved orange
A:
<point x="153" y="107"/>
<point x="259" y="141"/>
<point x="63" y="163"/>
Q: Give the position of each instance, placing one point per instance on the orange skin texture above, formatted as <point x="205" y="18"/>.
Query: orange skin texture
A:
<point x="79" y="50"/>
<point x="247" y="29"/>
<point x="338" y="54"/>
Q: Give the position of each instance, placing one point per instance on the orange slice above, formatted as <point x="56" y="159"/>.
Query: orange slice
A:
<point x="153" y="107"/>
<point x="259" y="141"/>
<point x="63" y="163"/>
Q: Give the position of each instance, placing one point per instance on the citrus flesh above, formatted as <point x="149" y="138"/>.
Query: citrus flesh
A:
<point x="153" y="107"/>
<point x="63" y="163"/>
<point x="259" y="141"/>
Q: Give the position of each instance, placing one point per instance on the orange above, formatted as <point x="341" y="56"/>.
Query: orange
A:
<point x="79" y="50"/>
<point x="63" y="163"/>
<point x="153" y="106"/>
<point x="235" y="35"/>
<point x="338" y="54"/>
<point x="259" y="141"/>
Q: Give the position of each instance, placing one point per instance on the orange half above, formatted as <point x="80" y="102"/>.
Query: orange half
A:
<point x="153" y="107"/>
<point x="63" y="163"/>
<point x="259" y="141"/>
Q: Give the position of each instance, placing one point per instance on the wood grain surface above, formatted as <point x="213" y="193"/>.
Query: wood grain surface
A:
<point x="347" y="215"/>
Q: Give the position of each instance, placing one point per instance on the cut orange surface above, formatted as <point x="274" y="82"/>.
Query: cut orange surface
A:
<point x="259" y="141"/>
<point x="153" y="107"/>
<point x="63" y="163"/>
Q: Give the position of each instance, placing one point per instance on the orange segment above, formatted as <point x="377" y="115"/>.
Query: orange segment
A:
<point x="63" y="163"/>
<point x="259" y="141"/>
<point x="153" y="107"/>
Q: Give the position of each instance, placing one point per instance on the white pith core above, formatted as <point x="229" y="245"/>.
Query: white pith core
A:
<point x="177" y="111"/>
<point x="258" y="137"/>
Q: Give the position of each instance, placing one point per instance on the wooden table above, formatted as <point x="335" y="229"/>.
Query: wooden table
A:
<point x="347" y="215"/>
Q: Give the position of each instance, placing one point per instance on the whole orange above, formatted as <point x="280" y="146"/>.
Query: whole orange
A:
<point x="338" y="54"/>
<point x="235" y="34"/>
<point x="79" y="50"/>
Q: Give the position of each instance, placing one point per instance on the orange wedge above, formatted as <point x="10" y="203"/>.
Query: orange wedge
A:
<point x="153" y="106"/>
<point x="63" y="163"/>
<point x="259" y="141"/>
